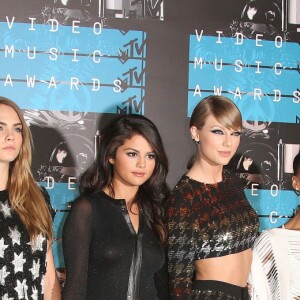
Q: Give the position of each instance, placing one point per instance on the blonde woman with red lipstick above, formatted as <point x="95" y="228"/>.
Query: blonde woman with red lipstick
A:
<point x="114" y="236"/>
<point x="211" y="226"/>
<point x="26" y="263"/>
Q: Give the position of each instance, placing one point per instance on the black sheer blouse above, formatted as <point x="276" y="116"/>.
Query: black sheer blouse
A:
<point x="105" y="258"/>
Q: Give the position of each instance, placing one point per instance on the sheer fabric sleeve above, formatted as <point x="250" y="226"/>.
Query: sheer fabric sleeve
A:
<point x="76" y="242"/>
<point x="263" y="263"/>
<point x="181" y="247"/>
<point x="257" y="279"/>
<point x="269" y="276"/>
<point x="161" y="283"/>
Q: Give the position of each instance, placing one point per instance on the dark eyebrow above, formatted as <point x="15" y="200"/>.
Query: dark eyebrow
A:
<point x="132" y="149"/>
<point x="16" y="124"/>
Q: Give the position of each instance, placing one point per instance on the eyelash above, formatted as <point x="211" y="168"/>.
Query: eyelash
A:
<point x="237" y="133"/>
<point x="133" y="154"/>
<point x="218" y="131"/>
<point x="17" y="129"/>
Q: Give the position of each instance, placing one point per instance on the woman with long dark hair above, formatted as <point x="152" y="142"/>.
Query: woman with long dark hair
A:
<point x="26" y="262"/>
<point x="114" y="236"/>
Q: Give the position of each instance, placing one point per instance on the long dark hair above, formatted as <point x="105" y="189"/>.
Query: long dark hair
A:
<point x="100" y="174"/>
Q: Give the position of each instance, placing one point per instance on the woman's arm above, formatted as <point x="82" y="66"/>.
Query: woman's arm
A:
<point x="77" y="234"/>
<point x="181" y="247"/>
<point x="162" y="283"/>
<point x="52" y="287"/>
<point x="265" y="278"/>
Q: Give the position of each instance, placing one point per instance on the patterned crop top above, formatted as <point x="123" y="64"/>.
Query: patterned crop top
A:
<point x="205" y="221"/>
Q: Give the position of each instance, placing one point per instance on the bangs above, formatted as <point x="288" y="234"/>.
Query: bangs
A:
<point x="228" y="115"/>
<point x="230" y="121"/>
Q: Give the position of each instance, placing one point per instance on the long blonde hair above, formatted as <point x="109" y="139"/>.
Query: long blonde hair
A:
<point x="25" y="195"/>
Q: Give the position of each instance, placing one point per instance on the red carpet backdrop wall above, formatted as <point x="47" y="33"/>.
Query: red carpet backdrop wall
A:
<point x="73" y="64"/>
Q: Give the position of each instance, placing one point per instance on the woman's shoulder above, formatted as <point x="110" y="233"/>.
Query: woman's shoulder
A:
<point x="88" y="200"/>
<point x="235" y="179"/>
<point x="182" y="185"/>
<point x="182" y="193"/>
<point x="269" y="236"/>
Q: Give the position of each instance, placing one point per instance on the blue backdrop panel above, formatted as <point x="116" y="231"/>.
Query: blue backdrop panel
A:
<point x="72" y="69"/>
<point x="261" y="77"/>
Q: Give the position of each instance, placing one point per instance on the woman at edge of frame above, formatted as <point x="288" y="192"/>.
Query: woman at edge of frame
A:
<point x="275" y="270"/>
<point x="211" y="225"/>
<point x="27" y="268"/>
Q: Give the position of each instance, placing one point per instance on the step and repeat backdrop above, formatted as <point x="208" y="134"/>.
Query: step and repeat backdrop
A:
<point x="71" y="65"/>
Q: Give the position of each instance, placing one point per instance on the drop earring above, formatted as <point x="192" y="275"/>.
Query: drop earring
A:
<point x="196" y="142"/>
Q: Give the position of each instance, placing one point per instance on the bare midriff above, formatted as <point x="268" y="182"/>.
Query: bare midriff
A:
<point x="232" y="268"/>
